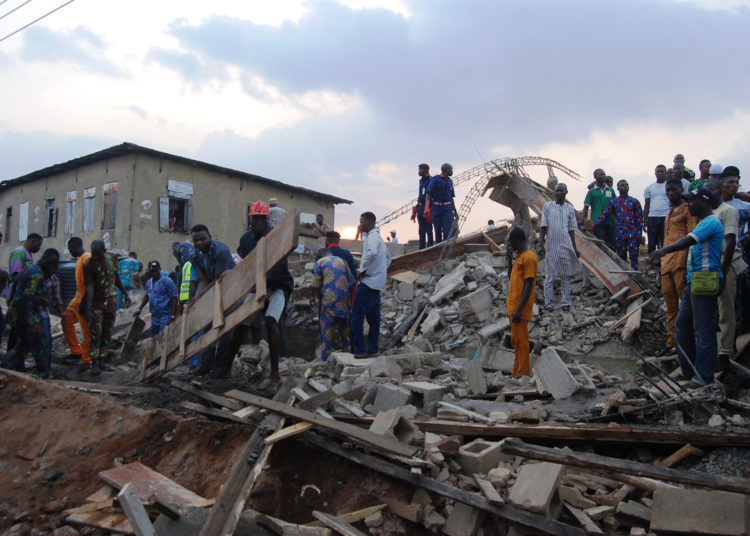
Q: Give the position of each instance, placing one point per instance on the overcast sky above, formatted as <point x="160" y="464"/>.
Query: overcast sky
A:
<point x="347" y="97"/>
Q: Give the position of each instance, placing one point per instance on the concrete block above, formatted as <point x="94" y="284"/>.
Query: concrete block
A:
<point x="555" y="377"/>
<point x="390" y="397"/>
<point x="411" y="512"/>
<point x="632" y="513"/>
<point x="347" y="373"/>
<point x="482" y="271"/>
<point x="475" y="376"/>
<point x="496" y="327"/>
<point x="463" y="520"/>
<point x="374" y="520"/>
<point x="449" y="284"/>
<point x="476" y="306"/>
<point x="471" y="286"/>
<point x="424" y="392"/>
<point x="394" y="425"/>
<point x="338" y="360"/>
<point x="479" y="456"/>
<point x="421" y="497"/>
<point x="535" y="489"/>
<point x="432" y="321"/>
<point x="497" y="359"/>
<point x="432" y="519"/>
<point x="385" y="367"/>
<point x="406" y="291"/>
<point x="499" y="476"/>
<point x="693" y="511"/>
<point x="574" y="497"/>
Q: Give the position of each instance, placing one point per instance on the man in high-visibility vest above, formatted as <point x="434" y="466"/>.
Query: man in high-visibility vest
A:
<point x="189" y="277"/>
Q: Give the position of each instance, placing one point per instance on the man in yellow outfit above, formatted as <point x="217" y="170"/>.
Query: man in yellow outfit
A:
<point x="522" y="274"/>
<point x="72" y="315"/>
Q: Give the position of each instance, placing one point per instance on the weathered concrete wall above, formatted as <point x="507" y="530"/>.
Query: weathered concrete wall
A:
<point x="219" y="201"/>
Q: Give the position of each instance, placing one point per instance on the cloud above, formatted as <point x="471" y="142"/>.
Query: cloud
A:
<point x="80" y="46"/>
<point x="186" y="64"/>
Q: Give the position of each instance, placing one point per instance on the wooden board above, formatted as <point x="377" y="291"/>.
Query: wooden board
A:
<point x="406" y="277"/>
<point x="148" y="482"/>
<point x="104" y="519"/>
<point x="337" y="524"/>
<point x="212" y="412"/>
<point x="135" y="511"/>
<point x="353" y="432"/>
<point x="221" y="401"/>
<point x="92" y="387"/>
<point x="234" y="286"/>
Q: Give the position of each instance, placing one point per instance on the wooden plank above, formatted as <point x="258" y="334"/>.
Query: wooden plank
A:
<point x="104" y="387"/>
<point x="585" y="521"/>
<point x="135" y="511"/>
<point x="329" y="395"/>
<point x="103" y="519"/>
<point x="601" y="264"/>
<point x="413" y="329"/>
<point x="337" y="524"/>
<point x="592" y="433"/>
<point x="289" y="431"/>
<point x="633" y="308"/>
<point x="163" y="508"/>
<point x="219" y="400"/>
<point x="283" y="528"/>
<point x="246" y="413"/>
<point x="369" y="438"/>
<point x="537" y="523"/>
<point x="91" y="507"/>
<point x="234" y="286"/>
<point x="222" y="517"/>
<point x="218" y="318"/>
<point x="133" y="337"/>
<point x="148" y="482"/>
<point x="489" y="490"/>
<point x="353" y="517"/>
<point x="211" y="412"/>
<point x="494" y="248"/>
<point x="105" y="493"/>
<point x="340" y="404"/>
<point x="676" y="457"/>
<point x="607" y="463"/>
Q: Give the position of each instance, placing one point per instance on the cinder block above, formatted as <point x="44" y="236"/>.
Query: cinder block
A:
<point x="338" y="360"/>
<point x="424" y="392"/>
<point x="476" y="307"/>
<point x="463" y="520"/>
<point x="390" y="397"/>
<point x="479" y="456"/>
<point x="393" y="424"/>
<point x="385" y="367"/>
<point x="475" y="376"/>
<point x="693" y="511"/>
<point x="555" y="377"/>
<point x="535" y="489"/>
<point x="482" y="271"/>
<point x="497" y="359"/>
<point x="406" y="291"/>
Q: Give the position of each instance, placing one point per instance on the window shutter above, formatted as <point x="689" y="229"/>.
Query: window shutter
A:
<point x="164" y="214"/>
<point x="53" y="226"/>
<point x="188" y="214"/>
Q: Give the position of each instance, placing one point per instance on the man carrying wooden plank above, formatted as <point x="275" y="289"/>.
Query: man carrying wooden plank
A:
<point x="279" y="285"/>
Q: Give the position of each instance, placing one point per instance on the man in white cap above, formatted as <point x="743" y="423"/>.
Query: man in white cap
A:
<point x="275" y="213"/>
<point x="393" y="239"/>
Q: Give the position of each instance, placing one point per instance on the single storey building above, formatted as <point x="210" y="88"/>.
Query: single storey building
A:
<point x="139" y="199"/>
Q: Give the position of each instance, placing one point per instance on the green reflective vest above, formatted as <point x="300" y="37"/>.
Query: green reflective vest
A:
<point x="187" y="270"/>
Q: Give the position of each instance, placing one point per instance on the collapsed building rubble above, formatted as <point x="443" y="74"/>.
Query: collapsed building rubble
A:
<point x="432" y="436"/>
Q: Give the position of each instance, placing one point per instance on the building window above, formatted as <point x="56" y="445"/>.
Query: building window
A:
<point x="109" y="205"/>
<point x="70" y="213"/>
<point x="50" y="217"/>
<point x="175" y="215"/>
<point x="23" y="221"/>
<point x="89" y="204"/>
<point x="8" y="220"/>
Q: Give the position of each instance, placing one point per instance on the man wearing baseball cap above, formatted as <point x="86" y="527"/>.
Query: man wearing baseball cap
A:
<point x="417" y="212"/>
<point x="698" y="318"/>
<point x="161" y="297"/>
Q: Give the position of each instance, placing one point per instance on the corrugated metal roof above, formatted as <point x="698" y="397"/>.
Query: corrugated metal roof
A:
<point x="129" y="148"/>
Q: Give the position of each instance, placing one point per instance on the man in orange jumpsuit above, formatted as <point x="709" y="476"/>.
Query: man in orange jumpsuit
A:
<point x="522" y="274"/>
<point x="72" y="314"/>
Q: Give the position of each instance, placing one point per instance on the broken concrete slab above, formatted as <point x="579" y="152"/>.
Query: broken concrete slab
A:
<point x="385" y="367"/>
<point x="554" y="376"/>
<point x="497" y="359"/>
<point x="394" y="425"/>
<point x="479" y="456"/>
<point x="496" y="327"/>
<point x="476" y="306"/>
<point x="463" y="520"/>
<point x="475" y="376"/>
<point x="482" y="271"/>
<point x="499" y="476"/>
<point x="390" y="397"/>
<point x="406" y="291"/>
<point x="424" y="393"/>
<point x="432" y="321"/>
<point x="338" y="360"/>
<point x="693" y="511"/>
<point x="633" y="514"/>
<point x="535" y="489"/>
<point x="574" y="497"/>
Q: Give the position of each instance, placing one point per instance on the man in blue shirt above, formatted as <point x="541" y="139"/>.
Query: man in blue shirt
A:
<point x="425" y="227"/>
<point x="698" y="318"/>
<point x="211" y="259"/>
<point x="439" y="206"/>
<point x="332" y="244"/>
<point x="161" y="295"/>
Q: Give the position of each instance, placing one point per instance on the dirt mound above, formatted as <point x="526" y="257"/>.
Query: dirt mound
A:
<point x="79" y="435"/>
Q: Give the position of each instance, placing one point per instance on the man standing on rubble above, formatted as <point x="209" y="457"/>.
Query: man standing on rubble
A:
<point x="275" y="213"/>
<point x="629" y="223"/>
<point x="334" y="279"/>
<point x="373" y="270"/>
<point x="279" y="287"/>
<point x="678" y="223"/>
<point x="655" y="208"/>
<point x="102" y="277"/>
<point x="438" y="205"/>
<point x="332" y="244"/>
<point x="520" y="302"/>
<point x="72" y="315"/>
<point x="598" y="199"/>
<point x="211" y="259"/>
<point x="161" y="297"/>
<point x="417" y="212"/>
<point x="22" y="256"/>
<point x="730" y="188"/>
<point x="558" y="236"/>
<point x="732" y="264"/>
<point x="698" y="319"/>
